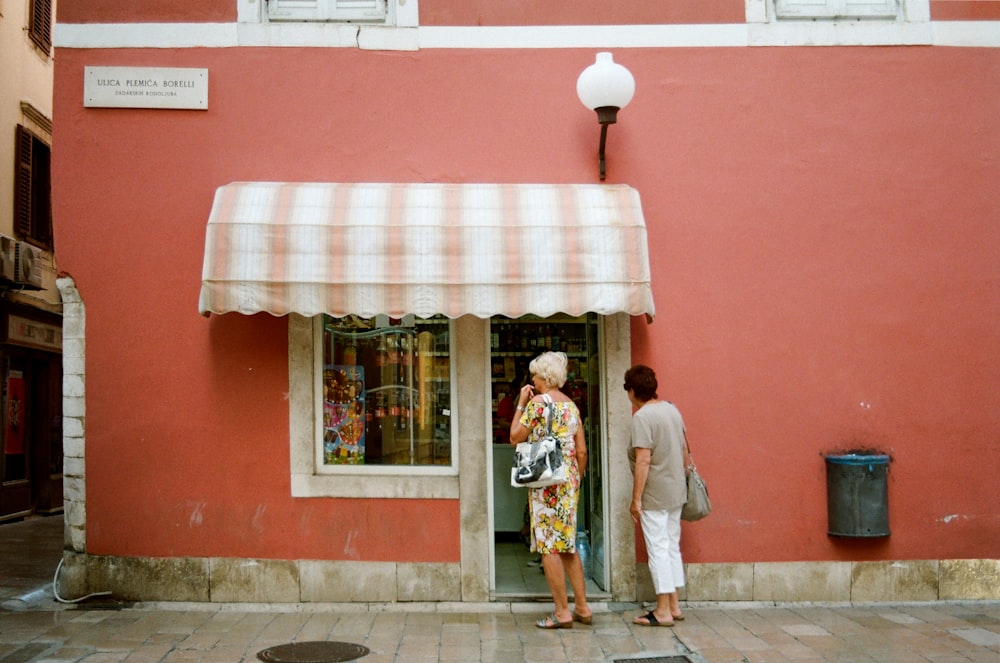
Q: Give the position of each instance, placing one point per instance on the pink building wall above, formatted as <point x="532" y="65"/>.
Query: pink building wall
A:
<point x="965" y="10"/>
<point x="823" y="238"/>
<point x="433" y="12"/>
<point x="484" y="12"/>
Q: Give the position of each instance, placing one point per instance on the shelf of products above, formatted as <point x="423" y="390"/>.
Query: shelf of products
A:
<point x="514" y="343"/>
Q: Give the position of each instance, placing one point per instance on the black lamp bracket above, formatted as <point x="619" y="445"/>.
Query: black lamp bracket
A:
<point x="605" y="115"/>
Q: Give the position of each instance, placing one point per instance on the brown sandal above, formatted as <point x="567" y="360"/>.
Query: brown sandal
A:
<point x="585" y="620"/>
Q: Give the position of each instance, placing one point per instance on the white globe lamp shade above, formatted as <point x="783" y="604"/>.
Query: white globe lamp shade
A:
<point x="605" y="84"/>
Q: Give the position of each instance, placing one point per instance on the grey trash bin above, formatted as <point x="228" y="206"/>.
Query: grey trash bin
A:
<point x="857" y="495"/>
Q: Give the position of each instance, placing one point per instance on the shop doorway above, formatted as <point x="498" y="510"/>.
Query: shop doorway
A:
<point x="513" y="344"/>
<point x="30" y="434"/>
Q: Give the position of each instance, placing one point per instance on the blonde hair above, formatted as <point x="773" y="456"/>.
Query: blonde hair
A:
<point x="551" y="367"/>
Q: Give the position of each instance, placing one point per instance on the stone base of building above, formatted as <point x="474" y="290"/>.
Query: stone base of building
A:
<point x="227" y="580"/>
<point x="837" y="582"/>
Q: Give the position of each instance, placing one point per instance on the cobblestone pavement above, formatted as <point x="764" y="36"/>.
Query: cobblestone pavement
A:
<point x="942" y="633"/>
<point x="35" y="627"/>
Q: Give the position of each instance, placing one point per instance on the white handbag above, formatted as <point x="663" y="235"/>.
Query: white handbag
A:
<point x="539" y="464"/>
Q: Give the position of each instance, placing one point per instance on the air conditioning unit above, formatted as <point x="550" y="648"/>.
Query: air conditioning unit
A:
<point x="27" y="269"/>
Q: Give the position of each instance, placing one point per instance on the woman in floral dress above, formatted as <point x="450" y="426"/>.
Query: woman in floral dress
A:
<point x="553" y="509"/>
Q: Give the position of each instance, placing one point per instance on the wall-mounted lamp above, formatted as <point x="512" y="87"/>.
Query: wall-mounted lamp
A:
<point x="605" y="87"/>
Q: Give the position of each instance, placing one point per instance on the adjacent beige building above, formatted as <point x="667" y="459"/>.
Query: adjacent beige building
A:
<point x="30" y="306"/>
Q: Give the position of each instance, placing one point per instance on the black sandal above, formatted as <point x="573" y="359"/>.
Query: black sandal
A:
<point x="653" y="621"/>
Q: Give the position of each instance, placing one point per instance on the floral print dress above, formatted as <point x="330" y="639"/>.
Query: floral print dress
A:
<point x="553" y="508"/>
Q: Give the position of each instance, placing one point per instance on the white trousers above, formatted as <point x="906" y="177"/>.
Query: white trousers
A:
<point x="662" y="533"/>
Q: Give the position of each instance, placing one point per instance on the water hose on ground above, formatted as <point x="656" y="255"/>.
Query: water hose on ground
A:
<point x="55" y="589"/>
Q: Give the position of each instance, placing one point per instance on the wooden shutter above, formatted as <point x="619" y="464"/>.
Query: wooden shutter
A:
<point x="40" y="24"/>
<point x="32" y="189"/>
<point x="22" y="182"/>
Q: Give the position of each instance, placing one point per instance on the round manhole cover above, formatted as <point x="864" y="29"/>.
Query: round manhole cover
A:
<point x="313" y="652"/>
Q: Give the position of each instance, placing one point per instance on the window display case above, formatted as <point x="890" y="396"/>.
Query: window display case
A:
<point x="386" y="391"/>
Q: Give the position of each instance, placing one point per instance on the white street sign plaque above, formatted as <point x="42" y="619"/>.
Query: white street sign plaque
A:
<point x="145" y="87"/>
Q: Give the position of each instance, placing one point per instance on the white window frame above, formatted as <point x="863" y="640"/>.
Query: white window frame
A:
<point x="321" y="468"/>
<point x="837" y="9"/>
<point x="363" y="11"/>
<point x="398" y="13"/>
<point x="305" y="413"/>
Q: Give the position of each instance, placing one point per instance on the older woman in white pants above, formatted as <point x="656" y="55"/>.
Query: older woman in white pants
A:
<point x="658" y="457"/>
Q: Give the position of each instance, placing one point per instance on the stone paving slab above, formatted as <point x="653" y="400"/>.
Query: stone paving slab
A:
<point x="36" y="628"/>
<point x="940" y="632"/>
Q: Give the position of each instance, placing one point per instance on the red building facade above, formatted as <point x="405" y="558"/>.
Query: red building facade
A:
<point x="820" y="238"/>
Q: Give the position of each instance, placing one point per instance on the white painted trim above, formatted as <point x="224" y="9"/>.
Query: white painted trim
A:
<point x="979" y="34"/>
<point x="911" y="11"/>
<point x="756" y="11"/>
<point x="368" y="481"/>
<point x="842" y="33"/>
<point x="249" y="11"/>
<point x="984" y="34"/>
<point x="144" y="35"/>
<point x="916" y="11"/>
<point x="584" y="36"/>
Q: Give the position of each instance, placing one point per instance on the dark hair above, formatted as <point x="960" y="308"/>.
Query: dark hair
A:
<point x="642" y="381"/>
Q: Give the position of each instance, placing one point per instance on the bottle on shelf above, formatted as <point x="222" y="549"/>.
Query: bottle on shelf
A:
<point x="405" y="351"/>
<point x="381" y="353"/>
<point x="392" y="349"/>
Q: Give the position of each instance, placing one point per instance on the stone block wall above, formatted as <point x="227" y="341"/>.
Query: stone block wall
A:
<point x="852" y="582"/>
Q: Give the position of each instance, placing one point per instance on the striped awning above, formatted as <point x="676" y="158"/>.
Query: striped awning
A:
<point x="452" y="249"/>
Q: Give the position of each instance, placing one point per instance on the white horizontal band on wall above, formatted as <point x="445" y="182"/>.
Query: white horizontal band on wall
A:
<point x="985" y="34"/>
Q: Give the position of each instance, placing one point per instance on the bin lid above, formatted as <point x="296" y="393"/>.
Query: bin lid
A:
<point x="859" y="459"/>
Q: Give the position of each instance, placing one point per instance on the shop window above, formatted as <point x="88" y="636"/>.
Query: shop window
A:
<point x="40" y="24"/>
<point x="834" y="9"/>
<point x="32" y="191"/>
<point x="385" y="393"/>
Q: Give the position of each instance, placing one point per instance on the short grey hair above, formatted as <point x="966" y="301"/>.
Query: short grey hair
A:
<point x="551" y="367"/>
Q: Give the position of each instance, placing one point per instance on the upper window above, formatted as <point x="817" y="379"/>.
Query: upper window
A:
<point x="351" y="23"/>
<point x="40" y="24"/>
<point x="32" y="191"/>
<point x="370" y="11"/>
<point x="807" y="9"/>
<point x="385" y="392"/>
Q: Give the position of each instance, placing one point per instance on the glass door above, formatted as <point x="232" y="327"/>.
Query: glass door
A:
<point x="513" y="344"/>
<point x="594" y="484"/>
